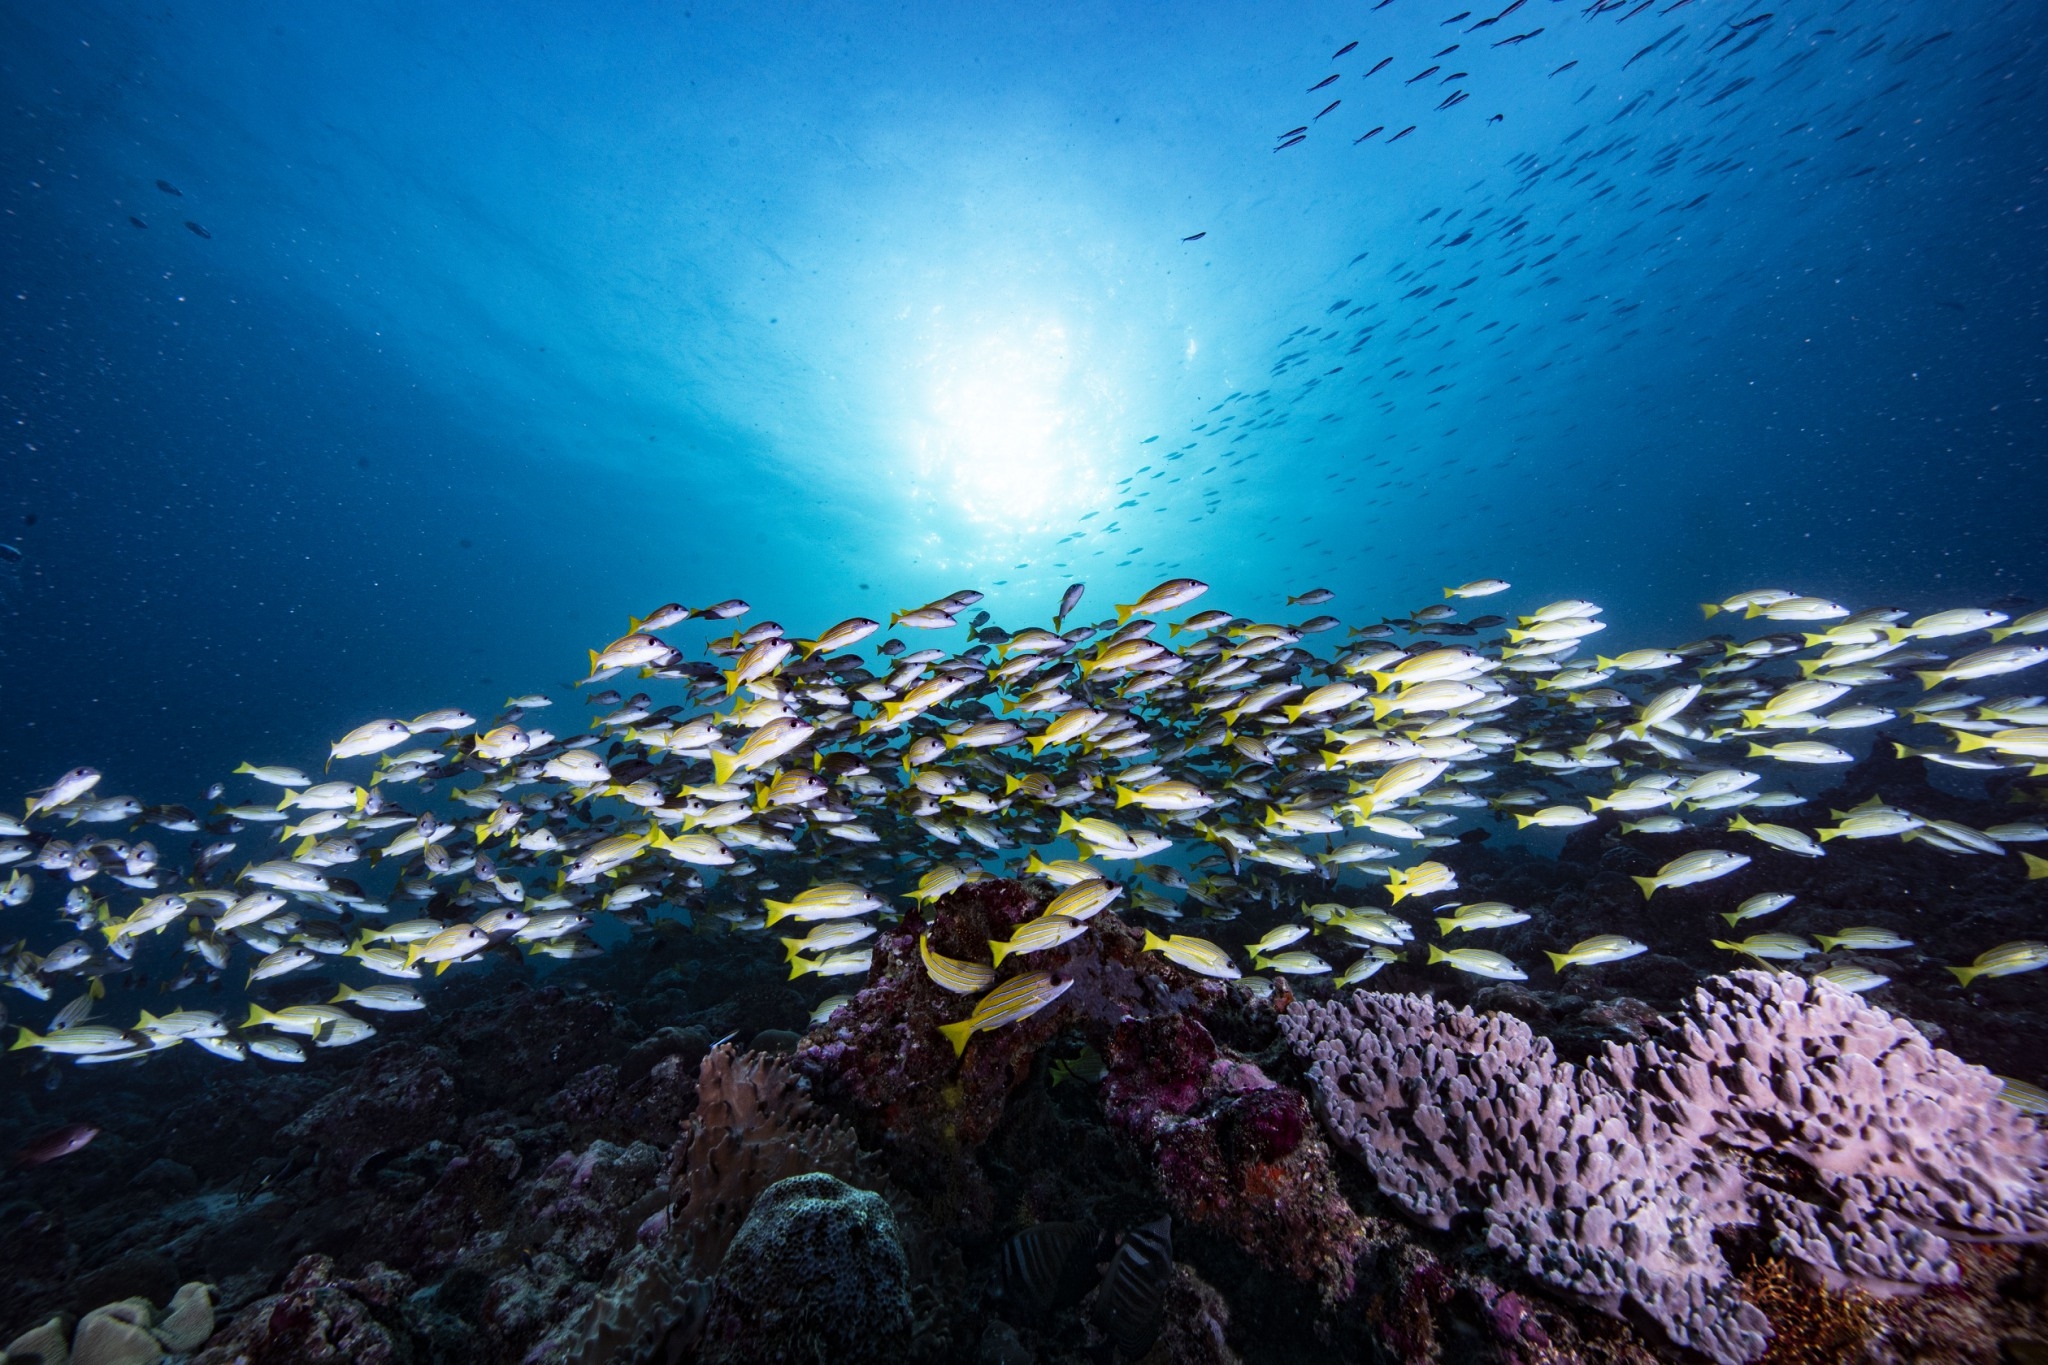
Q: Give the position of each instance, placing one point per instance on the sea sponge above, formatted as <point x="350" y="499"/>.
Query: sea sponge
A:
<point x="49" y="1344"/>
<point x="117" y="1334"/>
<point x="187" y="1319"/>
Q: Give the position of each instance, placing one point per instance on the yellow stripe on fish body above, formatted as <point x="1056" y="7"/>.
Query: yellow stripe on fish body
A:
<point x="952" y="973"/>
<point x="1084" y="900"/>
<point x="1012" y="1002"/>
<point x="1423" y="879"/>
<point x="1195" y="954"/>
<point x="1047" y="931"/>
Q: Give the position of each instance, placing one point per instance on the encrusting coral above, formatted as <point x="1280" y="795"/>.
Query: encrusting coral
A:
<point x="1831" y="1126"/>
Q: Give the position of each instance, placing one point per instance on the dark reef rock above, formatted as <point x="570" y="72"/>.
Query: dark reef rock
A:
<point x="318" y="1317"/>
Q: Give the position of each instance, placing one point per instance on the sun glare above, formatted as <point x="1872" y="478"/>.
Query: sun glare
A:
<point x="1013" y="425"/>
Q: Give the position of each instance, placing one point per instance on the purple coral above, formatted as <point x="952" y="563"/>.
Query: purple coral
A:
<point x="1612" y="1179"/>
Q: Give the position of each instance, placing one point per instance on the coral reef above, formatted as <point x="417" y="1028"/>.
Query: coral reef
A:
<point x="1805" y="1111"/>
<point x="882" y="1055"/>
<point x="1232" y="1152"/>
<point x="816" y="1274"/>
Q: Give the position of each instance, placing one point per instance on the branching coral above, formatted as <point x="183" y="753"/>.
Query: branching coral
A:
<point x="1835" y="1128"/>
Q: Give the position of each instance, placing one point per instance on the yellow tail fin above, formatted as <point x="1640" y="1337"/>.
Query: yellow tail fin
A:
<point x="1649" y="885"/>
<point x="1558" y="961"/>
<point x="958" y="1034"/>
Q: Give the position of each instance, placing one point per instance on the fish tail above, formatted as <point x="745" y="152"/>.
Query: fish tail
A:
<point x="1707" y="609"/>
<point x="798" y="966"/>
<point x="1827" y="834"/>
<point x="1734" y="917"/>
<point x="1930" y="681"/>
<point x="958" y="1034"/>
<point x="1963" y="974"/>
<point x="723" y="764"/>
<point x="997" y="951"/>
<point x="1559" y="961"/>
<point x="26" y="1038"/>
<point x="1757" y="750"/>
<point x="1173" y="628"/>
<point x="1649" y="885"/>
<point x="1827" y="942"/>
<point x="1524" y="821"/>
<point x="1446" y="925"/>
<point x="1123" y="613"/>
<point x="2037" y="868"/>
<point x="257" y="1015"/>
<point x="342" y="993"/>
<point x="1437" y="954"/>
<point x="1380" y="708"/>
<point x="1123" y="796"/>
<point x="795" y="946"/>
<point x="778" y="910"/>
<point x="1152" y="942"/>
<point x="1965" y="742"/>
<point x="2000" y="634"/>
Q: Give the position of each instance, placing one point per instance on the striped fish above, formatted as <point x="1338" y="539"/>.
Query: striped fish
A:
<point x="952" y="973"/>
<point x="1012" y="1002"/>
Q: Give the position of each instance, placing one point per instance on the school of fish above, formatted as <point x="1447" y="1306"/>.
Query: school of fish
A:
<point x="802" y="790"/>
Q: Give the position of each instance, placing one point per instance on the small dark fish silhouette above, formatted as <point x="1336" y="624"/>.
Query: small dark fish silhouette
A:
<point x="50" y="1146"/>
<point x="1403" y="133"/>
<point x="197" y="230"/>
<point x="168" y="188"/>
<point x="1291" y="142"/>
<point x="1342" y="50"/>
<point x="1566" y="67"/>
<point x="1292" y="131"/>
<point x="1332" y="105"/>
<point x="1419" y="75"/>
<point x="1321" y="83"/>
<point x="1196" y="238"/>
<point x="1497" y="118"/>
<point x="137" y="221"/>
<point x="1376" y="128"/>
<point x="1383" y="62"/>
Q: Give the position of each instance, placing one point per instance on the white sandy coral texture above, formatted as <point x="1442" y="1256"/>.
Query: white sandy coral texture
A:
<point x="1833" y="1127"/>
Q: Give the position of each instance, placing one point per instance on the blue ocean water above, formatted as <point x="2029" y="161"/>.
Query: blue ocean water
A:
<point x="511" y="320"/>
<point x="367" y="359"/>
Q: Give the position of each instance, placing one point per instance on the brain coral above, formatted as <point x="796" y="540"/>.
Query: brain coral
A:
<point x="816" y="1274"/>
<point x="1772" y="1102"/>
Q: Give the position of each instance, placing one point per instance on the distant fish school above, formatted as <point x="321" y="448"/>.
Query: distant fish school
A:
<point x="801" y="781"/>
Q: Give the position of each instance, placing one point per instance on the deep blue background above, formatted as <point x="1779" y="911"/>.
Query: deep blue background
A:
<point x="516" y="319"/>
